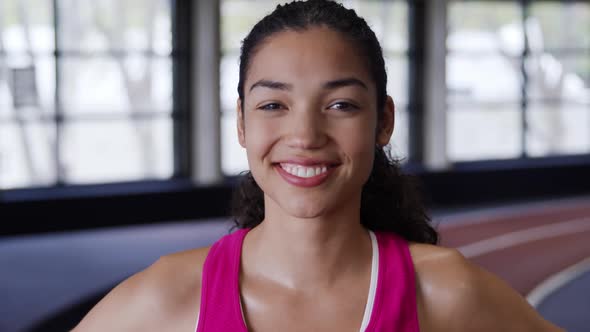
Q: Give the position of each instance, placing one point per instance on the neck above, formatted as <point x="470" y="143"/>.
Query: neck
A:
<point x="306" y="254"/>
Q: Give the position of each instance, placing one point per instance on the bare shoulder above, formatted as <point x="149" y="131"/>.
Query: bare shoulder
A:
<point x="454" y="294"/>
<point x="163" y="297"/>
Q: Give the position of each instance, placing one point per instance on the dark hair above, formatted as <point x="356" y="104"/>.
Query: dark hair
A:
<point x="390" y="200"/>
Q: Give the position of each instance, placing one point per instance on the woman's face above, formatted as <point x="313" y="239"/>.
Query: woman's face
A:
<point x="309" y="122"/>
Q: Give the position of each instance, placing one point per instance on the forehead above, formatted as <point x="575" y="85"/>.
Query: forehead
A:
<point x="316" y="54"/>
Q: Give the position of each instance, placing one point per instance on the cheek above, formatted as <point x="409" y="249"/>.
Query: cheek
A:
<point x="360" y="135"/>
<point x="364" y="155"/>
<point x="367" y="145"/>
<point x="259" y="137"/>
<point x="358" y="140"/>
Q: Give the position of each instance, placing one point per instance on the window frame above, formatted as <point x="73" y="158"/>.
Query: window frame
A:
<point x="180" y="58"/>
<point x="524" y="160"/>
<point x="75" y="207"/>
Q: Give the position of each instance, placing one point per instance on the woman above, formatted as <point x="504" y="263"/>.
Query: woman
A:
<point x="332" y="237"/>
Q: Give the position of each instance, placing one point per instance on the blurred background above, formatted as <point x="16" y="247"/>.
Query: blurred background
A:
<point x="118" y="143"/>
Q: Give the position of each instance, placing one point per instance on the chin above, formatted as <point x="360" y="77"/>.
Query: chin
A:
<point x="305" y="209"/>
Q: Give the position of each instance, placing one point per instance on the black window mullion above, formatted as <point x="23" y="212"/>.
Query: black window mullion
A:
<point x="416" y="77"/>
<point x="182" y="32"/>
<point x="58" y="112"/>
<point x="525" y="8"/>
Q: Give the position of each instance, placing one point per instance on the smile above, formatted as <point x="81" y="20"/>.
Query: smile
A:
<point x="304" y="176"/>
<point x="304" y="171"/>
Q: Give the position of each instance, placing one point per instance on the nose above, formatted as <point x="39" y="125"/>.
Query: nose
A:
<point x="306" y="129"/>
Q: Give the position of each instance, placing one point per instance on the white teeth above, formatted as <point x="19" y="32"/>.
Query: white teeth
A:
<point x="302" y="171"/>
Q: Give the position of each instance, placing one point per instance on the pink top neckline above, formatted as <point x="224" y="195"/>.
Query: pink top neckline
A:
<point x="394" y="306"/>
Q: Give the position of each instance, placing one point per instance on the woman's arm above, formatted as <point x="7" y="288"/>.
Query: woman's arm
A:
<point x="456" y="295"/>
<point x="131" y="306"/>
<point x="163" y="297"/>
<point x="491" y="302"/>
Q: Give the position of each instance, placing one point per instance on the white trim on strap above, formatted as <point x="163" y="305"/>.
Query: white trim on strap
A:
<point x="373" y="283"/>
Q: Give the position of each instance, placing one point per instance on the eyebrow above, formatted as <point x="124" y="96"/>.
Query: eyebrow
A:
<point x="330" y="85"/>
<point x="272" y="85"/>
<point x="344" y="82"/>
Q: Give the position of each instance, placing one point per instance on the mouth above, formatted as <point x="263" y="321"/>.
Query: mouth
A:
<point x="304" y="171"/>
<point x="307" y="174"/>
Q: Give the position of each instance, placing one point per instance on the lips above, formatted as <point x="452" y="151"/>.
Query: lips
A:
<point x="305" y="173"/>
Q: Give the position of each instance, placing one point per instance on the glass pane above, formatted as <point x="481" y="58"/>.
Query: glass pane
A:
<point x="397" y="78"/>
<point x="483" y="132"/>
<point x="399" y="140"/>
<point x="116" y="84"/>
<point x="102" y="25"/>
<point x="228" y="81"/>
<point x="388" y="19"/>
<point x="26" y="26"/>
<point x="238" y="17"/>
<point x="558" y="128"/>
<point x="27" y="154"/>
<point x="552" y="77"/>
<point x="557" y="24"/>
<point x="5" y="93"/>
<point x="233" y="156"/>
<point x="487" y="26"/>
<point x="119" y="150"/>
<point x="489" y="78"/>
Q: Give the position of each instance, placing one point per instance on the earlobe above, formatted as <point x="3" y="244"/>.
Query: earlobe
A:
<point x="240" y="124"/>
<point x="387" y="122"/>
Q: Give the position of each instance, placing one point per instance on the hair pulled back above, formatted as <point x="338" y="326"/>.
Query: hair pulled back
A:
<point x="390" y="200"/>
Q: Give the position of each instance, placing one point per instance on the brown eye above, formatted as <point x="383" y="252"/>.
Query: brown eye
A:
<point x="344" y="106"/>
<point x="270" y="107"/>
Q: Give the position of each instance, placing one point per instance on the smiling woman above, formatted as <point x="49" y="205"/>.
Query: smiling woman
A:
<point x="331" y="235"/>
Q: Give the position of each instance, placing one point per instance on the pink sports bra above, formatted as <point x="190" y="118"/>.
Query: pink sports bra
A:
<point x="391" y="303"/>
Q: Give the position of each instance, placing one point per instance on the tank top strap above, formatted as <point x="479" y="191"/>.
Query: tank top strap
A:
<point x="220" y="308"/>
<point x="395" y="307"/>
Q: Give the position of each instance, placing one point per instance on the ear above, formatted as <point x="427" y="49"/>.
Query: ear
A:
<point x="240" y="124"/>
<point x="386" y="123"/>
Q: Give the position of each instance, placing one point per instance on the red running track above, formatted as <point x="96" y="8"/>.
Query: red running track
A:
<point x="523" y="244"/>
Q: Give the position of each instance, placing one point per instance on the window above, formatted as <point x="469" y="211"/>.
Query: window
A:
<point x="85" y="92"/>
<point x="518" y="79"/>
<point x="558" y="78"/>
<point x="389" y="20"/>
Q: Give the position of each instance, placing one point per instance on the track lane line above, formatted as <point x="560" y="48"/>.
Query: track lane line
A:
<point x="452" y="220"/>
<point x="512" y="239"/>
<point x="556" y="281"/>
